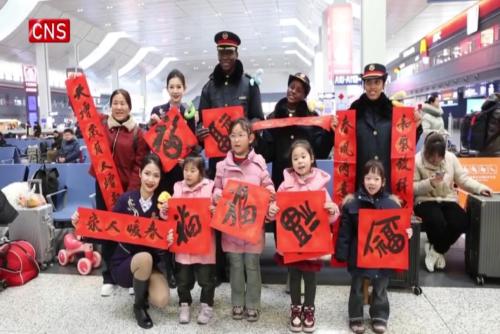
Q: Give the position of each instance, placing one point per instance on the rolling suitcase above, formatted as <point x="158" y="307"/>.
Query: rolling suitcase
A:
<point x="36" y="226"/>
<point x="481" y="244"/>
<point x="409" y="278"/>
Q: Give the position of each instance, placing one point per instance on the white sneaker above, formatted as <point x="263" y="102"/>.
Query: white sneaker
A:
<point x="184" y="313"/>
<point x="131" y="291"/>
<point x="441" y="261"/>
<point x="107" y="289"/>
<point x="206" y="313"/>
<point x="431" y="257"/>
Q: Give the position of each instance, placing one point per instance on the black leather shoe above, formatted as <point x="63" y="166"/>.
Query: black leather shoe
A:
<point x="141" y="305"/>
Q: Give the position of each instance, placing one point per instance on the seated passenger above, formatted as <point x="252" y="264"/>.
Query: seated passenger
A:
<point x="436" y="173"/>
<point x="70" y="148"/>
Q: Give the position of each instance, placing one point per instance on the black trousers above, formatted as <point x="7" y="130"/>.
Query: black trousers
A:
<point x="107" y="246"/>
<point x="443" y="222"/>
<point x="379" y="307"/>
<point x="185" y="276"/>
<point x="296" y="276"/>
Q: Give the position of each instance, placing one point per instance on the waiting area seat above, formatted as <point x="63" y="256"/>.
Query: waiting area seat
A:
<point x="9" y="155"/>
<point x="12" y="173"/>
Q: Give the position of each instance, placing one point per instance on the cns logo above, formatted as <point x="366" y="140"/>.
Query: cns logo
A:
<point x="49" y="30"/>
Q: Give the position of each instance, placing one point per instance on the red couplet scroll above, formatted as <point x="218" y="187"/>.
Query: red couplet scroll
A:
<point x="95" y="137"/>
<point x="171" y="139"/>
<point x="382" y="238"/>
<point x="344" y="164"/>
<point x="98" y="224"/>
<point x="321" y="121"/>
<point x="191" y="218"/>
<point x="241" y="210"/>
<point x="218" y="122"/>
<point x="403" y="154"/>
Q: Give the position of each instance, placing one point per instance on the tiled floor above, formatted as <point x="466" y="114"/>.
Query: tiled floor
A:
<point x="61" y="301"/>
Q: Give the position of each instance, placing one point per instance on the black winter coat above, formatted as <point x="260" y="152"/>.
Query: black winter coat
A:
<point x="275" y="144"/>
<point x="346" y="248"/>
<point x="492" y="106"/>
<point x="233" y="90"/>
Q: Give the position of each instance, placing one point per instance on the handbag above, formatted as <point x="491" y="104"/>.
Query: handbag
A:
<point x="17" y="262"/>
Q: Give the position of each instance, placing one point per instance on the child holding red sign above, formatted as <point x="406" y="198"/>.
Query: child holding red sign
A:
<point x="371" y="195"/>
<point x="242" y="163"/>
<point x="189" y="266"/>
<point x="133" y="265"/>
<point x="303" y="176"/>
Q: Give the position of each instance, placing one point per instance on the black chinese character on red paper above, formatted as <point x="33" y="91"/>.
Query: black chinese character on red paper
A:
<point x="85" y="111"/>
<point x="344" y="149"/>
<point x="93" y="223"/>
<point x="402" y="164"/>
<point x="401" y="185"/>
<point x="345" y="125"/>
<point x="187" y="227"/>
<point x="171" y="146"/>
<point x="223" y="142"/>
<point x="344" y="169"/>
<point x="134" y="229"/>
<point x="104" y="166"/>
<point x="403" y="144"/>
<point x="109" y="181"/>
<point x="403" y="124"/>
<point x="291" y="220"/>
<point x="93" y="131"/>
<point x="79" y="92"/>
<point x="97" y="148"/>
<point x="239" y="212"/>
<point x="342" y="189"/>
<point x="152" y="231"/>
<point x="112" y="226"/>
<point x="383" y="238"/>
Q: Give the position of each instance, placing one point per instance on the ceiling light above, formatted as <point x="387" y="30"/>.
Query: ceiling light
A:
<point x="298" y="54"/>
<point x="107" y="24"/>
<point x="218" y="14"/>
<point x="187" y="38"/>
<point x="203" y="62"/>
<point x="100" y="51"/>
<point x="186" y="52"/>
<point x="79" y="10"/>
<point x="244" y="48"/>
<point x="109" y="7"/>
<point x="196" y="68"/>
<point x="263" y="47"/>
<point x="252" y="60"/>
<point x="136" y="59"/>
<point x="160" y="67"/>
<point x="299" y="43"/>
<point x="296" y="23"/>
<point x="205" y="51"/>
<point x="269" y="59"/>
<point x="13" y="14"/>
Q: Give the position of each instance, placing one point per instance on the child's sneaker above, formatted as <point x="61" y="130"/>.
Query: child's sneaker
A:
<point x="379" y="326"/>
<point x="107" y="289"/>
<point x="308" y="320"/>
<point x="357" y="326"/>
<point x="296" y="318"/>
<point x="237" y="312"/>
<point x="184" y="313"/>
<point x="252" y="315"/>
<point x="206" y="313"/>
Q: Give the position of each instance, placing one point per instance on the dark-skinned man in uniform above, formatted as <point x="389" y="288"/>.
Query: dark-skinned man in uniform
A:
<point x="228" y="85"/>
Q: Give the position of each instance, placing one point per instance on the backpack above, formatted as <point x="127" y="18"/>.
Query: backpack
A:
<point x="17" y="262"/>
<point x="49" y="178"/>
<point x="473" y="130"/>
